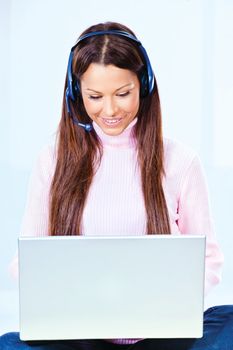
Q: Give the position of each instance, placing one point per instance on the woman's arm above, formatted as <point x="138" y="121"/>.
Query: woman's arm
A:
<point x="195" y="218"/>
<point x="36" y="214"/>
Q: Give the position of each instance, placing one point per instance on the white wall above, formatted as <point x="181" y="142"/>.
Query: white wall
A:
<point x="190" y="46"/>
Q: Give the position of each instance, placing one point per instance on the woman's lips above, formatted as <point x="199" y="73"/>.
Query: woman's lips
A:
<point x="111" y="121"/>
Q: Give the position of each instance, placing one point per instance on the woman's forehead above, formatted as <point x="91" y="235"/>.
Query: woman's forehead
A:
<point x="98" y="75"/>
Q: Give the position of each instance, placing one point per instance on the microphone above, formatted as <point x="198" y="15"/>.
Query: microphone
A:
<point x="86" y="127"/>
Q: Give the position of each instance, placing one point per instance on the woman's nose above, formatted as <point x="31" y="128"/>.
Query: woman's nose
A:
<point x="109" y="107"/>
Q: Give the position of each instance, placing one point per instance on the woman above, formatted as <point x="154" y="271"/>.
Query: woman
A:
<point x="113" y="172"/>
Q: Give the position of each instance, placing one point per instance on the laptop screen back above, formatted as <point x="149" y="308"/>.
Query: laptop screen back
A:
<point x="111" y="287"/>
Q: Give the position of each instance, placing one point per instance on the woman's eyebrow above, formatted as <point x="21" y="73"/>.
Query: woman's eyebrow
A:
<point x="123" y="86"/>
<point x="132" y="84"/>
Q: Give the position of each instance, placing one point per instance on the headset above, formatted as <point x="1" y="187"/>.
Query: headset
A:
<point x="73" y="88"/>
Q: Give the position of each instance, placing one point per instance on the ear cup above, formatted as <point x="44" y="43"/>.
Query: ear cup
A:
<point x="75" y="88"/>
<point x="144" y="84"/>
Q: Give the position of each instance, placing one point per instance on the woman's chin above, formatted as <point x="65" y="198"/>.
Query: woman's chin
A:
<point x="112" y="131"/>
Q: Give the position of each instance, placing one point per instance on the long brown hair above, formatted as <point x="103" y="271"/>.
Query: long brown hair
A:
<point x="79" y="152"/>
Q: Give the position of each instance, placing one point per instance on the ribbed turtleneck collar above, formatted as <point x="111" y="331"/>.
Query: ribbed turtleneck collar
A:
<point x="125" y="139"/>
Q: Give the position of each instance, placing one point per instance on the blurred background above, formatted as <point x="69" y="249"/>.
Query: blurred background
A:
<point x="189" y="43"/>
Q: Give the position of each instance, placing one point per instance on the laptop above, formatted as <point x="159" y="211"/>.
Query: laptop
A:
<point x="76" y="287"/>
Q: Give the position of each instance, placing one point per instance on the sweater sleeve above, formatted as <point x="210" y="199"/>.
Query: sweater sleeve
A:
<point x="195" y="218"/>
<point x="36" y="213"/>
<point x="35" y="219"/>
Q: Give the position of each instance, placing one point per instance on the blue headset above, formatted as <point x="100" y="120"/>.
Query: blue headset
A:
<point x="73" y="89"/>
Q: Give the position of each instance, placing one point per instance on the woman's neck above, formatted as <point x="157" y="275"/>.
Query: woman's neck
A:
<point x="125" y="139"/>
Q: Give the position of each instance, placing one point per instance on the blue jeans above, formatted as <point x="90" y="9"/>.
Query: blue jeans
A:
<point x="218" y="335"/>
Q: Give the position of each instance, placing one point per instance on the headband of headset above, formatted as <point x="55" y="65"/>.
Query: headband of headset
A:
<point x="146" y="79"/>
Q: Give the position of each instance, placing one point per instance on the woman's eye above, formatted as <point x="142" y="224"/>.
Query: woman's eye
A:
<point x="97" y="97"/>
<point x="92" y="97"/>
<point x="123" y="94"/>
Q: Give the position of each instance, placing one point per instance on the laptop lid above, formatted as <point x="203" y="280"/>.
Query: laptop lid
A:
<point x="75" y="287"/>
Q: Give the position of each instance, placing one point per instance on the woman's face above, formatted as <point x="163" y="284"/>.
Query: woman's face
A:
<point x="110" y="96"/>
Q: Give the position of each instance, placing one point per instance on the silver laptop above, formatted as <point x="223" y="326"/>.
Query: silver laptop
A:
<point x="111" y="287"/>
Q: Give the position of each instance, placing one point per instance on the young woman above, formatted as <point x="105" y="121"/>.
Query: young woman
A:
<point x="112" y="171"/>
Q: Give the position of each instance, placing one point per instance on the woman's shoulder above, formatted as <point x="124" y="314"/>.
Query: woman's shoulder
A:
<point x="46" y="161"/>
<point x="178" y="157"/>
<point x="47" y="153"/>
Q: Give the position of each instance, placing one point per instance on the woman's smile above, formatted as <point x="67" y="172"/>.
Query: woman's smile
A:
<point x="111" y="122"/>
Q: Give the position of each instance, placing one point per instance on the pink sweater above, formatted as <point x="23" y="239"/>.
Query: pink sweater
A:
<point x="115" y="202"/>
